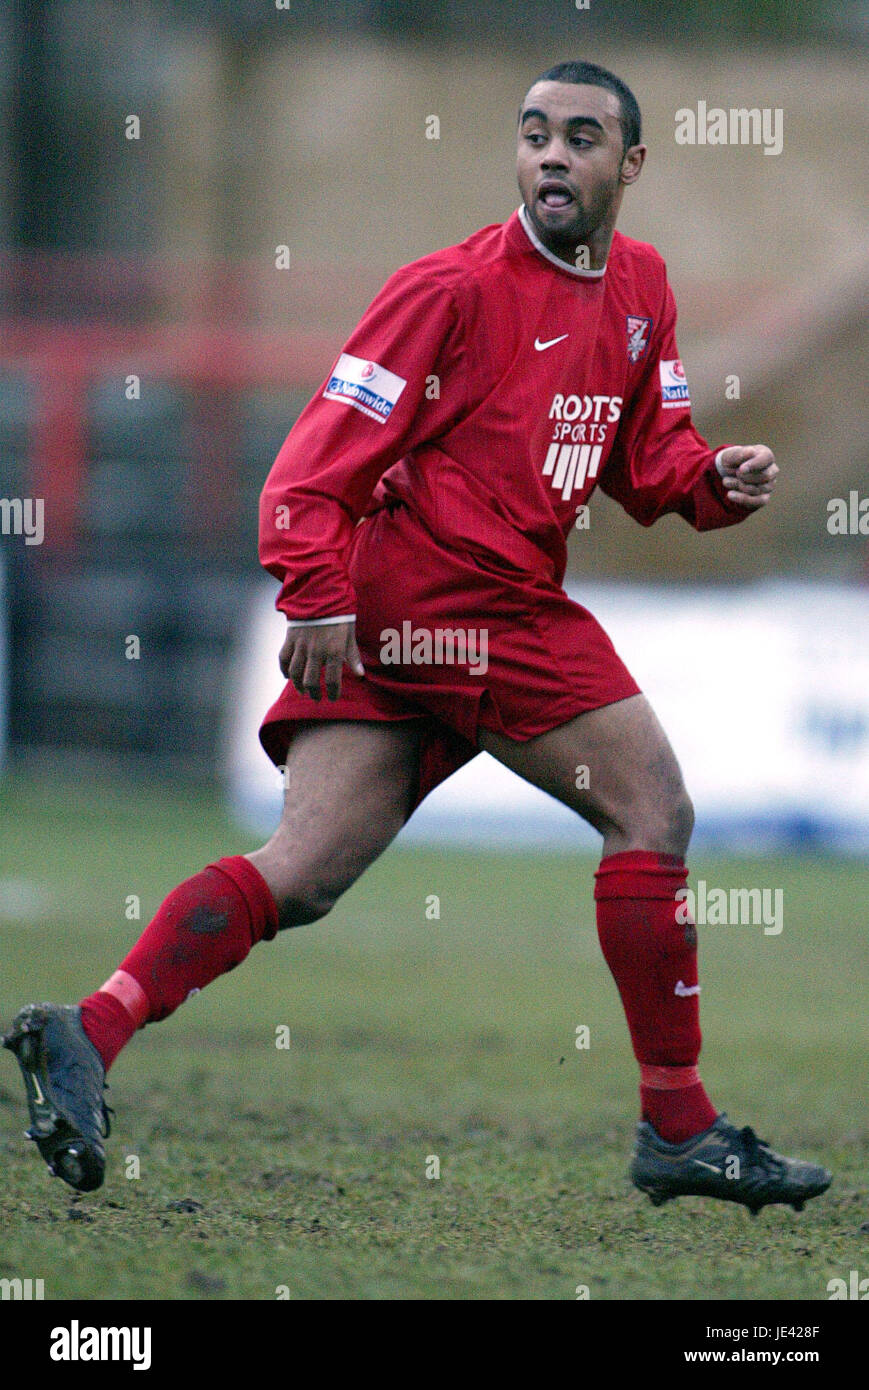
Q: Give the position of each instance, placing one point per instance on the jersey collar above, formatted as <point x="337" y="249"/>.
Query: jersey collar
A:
<point x="525" y="223"/>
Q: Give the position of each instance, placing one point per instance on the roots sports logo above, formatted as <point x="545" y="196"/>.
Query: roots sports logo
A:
<point x="579" y="433"/>
<point x="674" y="386"/>
<point x="366" y="386"/>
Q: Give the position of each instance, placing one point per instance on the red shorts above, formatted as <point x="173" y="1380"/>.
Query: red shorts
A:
<point x="537" y="658"/>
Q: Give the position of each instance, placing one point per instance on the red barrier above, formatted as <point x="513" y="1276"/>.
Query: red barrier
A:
<point x="213" y="328"/>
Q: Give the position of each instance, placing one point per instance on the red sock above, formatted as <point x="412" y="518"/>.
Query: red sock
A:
<point x="205" y="927"/>
<point x="652" y="953"/>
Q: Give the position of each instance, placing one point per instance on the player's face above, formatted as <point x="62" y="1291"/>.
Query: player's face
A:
<point x="572" y="166"/>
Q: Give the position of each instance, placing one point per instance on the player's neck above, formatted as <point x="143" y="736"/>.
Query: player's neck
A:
<point x="589" y="259"/>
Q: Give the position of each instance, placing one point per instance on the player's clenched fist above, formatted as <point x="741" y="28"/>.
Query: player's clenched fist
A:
<point x="748" y="471"/>
<point x="307" y="651"/>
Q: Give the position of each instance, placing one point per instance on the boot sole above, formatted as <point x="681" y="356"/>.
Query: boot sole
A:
<point x="659" y="1194"/>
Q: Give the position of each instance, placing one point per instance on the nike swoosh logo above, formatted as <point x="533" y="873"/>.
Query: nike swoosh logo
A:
<point x="40" y="1098"/>
<point x="541" y="347"/>
<point x="710" y="1166"/>
<point x="684" y="990"/>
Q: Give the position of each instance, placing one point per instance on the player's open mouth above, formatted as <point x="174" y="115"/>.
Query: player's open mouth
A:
<point x="554" y="195"/>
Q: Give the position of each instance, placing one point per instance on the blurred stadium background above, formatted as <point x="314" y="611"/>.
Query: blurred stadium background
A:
<point x="305" y="126"/>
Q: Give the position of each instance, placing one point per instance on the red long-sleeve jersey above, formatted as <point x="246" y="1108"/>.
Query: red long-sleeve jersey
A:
<point x="490" y="388"/>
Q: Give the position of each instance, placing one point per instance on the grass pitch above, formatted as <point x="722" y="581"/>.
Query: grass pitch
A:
<point x="268" y="1171"/>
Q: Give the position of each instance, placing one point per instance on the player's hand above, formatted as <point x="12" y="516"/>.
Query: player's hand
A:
<point x="309" y="650"/>
<point x="748" y="471"/>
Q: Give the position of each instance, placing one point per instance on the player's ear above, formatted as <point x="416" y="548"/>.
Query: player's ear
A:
<point x="632" y="164"/>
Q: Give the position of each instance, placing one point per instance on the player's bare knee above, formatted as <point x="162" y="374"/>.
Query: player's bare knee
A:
<point x="681" y="822"/>
<point x="661" y="820"/>
<point x="669" y="821"/>
<point x="667" y="805"/>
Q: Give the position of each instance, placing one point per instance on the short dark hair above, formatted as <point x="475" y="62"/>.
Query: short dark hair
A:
<point x="592" y="75"/>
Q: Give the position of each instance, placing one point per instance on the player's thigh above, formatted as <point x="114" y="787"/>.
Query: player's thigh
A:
<point x="349" y="788"/>
<point x="613" y="765"/>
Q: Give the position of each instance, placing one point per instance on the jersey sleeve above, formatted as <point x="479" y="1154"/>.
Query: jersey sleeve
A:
<point x="660" y="463"/>
<point x="398" y="383"/>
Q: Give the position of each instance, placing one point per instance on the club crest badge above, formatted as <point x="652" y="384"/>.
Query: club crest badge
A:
<point x="638" y="336"/>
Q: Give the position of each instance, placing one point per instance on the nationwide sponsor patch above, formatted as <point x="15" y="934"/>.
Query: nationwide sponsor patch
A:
<point x="638" y="336"/>
<point x="365" y="385"/>
<point x="674" y="387"/>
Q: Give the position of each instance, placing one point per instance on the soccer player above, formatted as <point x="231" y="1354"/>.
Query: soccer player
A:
<point x="417" y="518"/>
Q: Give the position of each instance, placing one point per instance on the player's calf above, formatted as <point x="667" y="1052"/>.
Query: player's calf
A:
<point x="299" y="899"/>
<point x="297" y="909"/>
